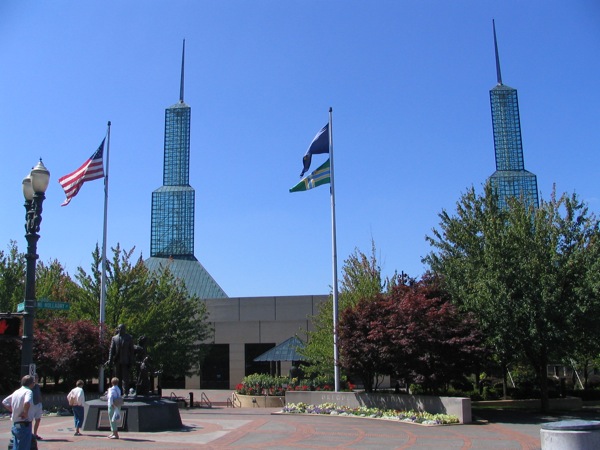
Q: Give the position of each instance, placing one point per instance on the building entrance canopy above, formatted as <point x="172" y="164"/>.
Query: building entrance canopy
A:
<point x="286" y="351"/>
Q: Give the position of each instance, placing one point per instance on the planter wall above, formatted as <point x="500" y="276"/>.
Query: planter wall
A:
<point x="260" y="401"/>
<point x="555" y="404"/>
<point x="456" y="406"/>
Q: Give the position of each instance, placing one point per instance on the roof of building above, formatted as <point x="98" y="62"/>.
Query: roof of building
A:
<point x="188" y="269"/>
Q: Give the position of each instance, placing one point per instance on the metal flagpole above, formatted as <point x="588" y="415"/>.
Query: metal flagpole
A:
<point x="336" y="354"/>
<point x="103" y="277"/>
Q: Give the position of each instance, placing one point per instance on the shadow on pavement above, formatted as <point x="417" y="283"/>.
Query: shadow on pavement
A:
<point x="530" y="417"/>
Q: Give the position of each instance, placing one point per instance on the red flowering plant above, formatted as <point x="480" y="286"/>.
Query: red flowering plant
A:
<point x="262" y="384"/>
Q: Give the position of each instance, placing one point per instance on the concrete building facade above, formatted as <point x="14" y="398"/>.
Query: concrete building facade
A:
<point x="246" y="327"/>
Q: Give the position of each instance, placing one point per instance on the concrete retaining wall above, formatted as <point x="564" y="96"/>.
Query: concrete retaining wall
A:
<point x="260" y="401"/>
<point x="555" y="404"/>
<point x="456" y="406"/>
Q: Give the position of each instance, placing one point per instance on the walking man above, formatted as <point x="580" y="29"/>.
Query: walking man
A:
<point x="19" y="404"/>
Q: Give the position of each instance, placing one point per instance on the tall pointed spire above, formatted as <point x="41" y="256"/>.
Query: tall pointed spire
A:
<point x="173" y="207"/>
<point x="510" y="178"/>
<point x="182" y="72"/>
<point x="498" y="74"/>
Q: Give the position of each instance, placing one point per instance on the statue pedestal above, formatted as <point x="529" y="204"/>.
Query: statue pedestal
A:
<point x="141" y="413"/>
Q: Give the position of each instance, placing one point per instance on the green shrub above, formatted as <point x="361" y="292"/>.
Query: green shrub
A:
<point x="263" y="384"/>
<point x="416" y="389"/>
<point x="475" y="396"/>
<point x="490" y="393"/>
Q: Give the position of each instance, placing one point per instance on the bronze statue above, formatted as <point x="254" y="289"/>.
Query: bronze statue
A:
<point x="144" y="363"/>
<point x="121" y="356"/>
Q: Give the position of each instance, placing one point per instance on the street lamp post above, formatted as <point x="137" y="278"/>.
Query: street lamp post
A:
<point x="34" y="187"/>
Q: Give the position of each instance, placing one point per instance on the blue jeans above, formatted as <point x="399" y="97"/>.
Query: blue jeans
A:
<point x="78" y="416"/>
<point x="21" y="436"/>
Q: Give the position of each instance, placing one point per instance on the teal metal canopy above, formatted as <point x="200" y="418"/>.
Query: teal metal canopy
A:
<point x="286" y="351"/>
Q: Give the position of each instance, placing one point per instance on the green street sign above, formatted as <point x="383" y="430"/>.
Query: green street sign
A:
<point x="46" y="304"/>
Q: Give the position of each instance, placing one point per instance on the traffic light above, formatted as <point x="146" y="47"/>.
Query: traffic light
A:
<point x="10" y="327"/>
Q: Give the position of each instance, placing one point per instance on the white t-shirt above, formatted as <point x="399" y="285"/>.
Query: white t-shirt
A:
<point x="16" y="402"/>
<point x="76" y="397"/>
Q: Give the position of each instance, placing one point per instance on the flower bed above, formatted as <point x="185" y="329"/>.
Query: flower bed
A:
<point x="423" y="418"/>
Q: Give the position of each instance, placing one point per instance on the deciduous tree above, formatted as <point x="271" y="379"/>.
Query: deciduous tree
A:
<point x="413" y="333"/>
<point x="527" y="274"/>
<point x="366" y="346"/>
<point x="155" y="305"/>
<point x="12" y="276"/>
<point x="361" y="279"/>
<point x="68" y="350"/>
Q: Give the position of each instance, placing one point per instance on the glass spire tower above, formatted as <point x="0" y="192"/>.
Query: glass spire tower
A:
<point x="173" y="207"/>
<point x="510" y="178"/>
<point x="172" y="228"/>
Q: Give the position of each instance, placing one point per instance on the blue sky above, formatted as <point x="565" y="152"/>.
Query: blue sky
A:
<point x="408" y="82"/>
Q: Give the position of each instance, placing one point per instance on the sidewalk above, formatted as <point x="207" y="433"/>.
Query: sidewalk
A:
<point x="245" y="428"/>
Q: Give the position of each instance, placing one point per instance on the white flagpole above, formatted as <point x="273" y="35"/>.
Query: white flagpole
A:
<point x="336" y="354"/>
<point x="103" y="277"/>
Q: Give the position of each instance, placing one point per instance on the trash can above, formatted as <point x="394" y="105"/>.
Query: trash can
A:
<point x="570" y="435"/>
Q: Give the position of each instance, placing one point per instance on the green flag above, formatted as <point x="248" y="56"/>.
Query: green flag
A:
<point x="320" y="176"/>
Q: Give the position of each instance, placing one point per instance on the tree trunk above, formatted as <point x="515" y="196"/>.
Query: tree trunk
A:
<point x="368" y="382"/>
<point x="478" y="387"/>
<point x="543" y="379"/>
<point x="504" y="381"/>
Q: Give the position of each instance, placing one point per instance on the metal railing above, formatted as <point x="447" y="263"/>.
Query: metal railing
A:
<point x="205" y="401"/>
<point x="234" y="401"/>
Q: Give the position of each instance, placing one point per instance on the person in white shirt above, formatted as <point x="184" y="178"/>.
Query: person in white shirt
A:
<point x="76" y="400"/>
<point x="19" y="404"/>
<point x="114" y="410"/>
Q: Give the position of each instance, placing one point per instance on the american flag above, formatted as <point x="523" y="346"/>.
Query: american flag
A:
<point x="90" y="170"/>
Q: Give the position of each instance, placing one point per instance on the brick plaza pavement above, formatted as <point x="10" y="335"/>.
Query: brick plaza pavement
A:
<point x="262" y="428"/>
<point x="256" y="428"/>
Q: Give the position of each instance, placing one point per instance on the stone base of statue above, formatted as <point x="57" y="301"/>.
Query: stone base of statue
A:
<point x="140" y="413"/>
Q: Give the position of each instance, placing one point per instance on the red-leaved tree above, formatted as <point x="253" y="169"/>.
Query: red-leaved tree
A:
<point x="365" y="345"/>
<point x="436" y="343"/>
<point x="411" y="333"/>
<point x="69" y="350"/>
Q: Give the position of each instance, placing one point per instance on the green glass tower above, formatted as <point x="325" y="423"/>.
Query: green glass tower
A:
<point x="173" y="206"/>
<point x="510" y="178"/>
